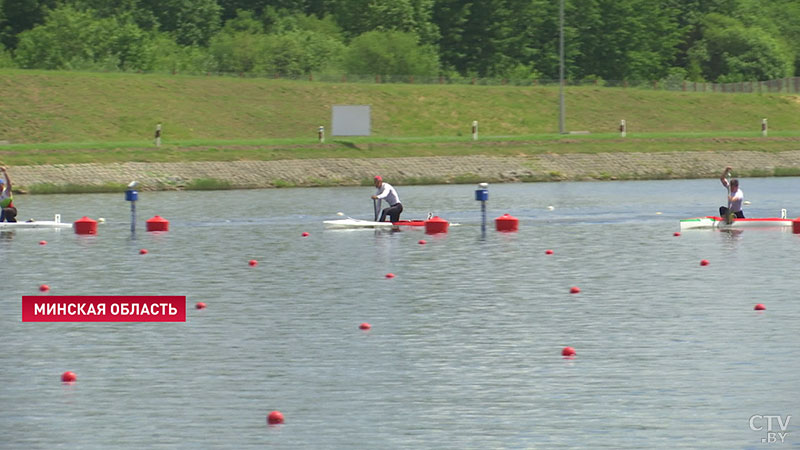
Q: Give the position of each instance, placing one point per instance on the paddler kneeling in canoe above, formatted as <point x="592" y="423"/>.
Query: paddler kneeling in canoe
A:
<point x="388" y="192"/>
<point x="735" y="196"/>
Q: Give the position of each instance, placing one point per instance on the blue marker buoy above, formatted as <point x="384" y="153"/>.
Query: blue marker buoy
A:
<point x="482" y="195"/>
<point x="131" y="195"/>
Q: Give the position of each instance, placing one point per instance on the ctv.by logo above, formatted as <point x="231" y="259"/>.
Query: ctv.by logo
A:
<point x="758" y="421"/>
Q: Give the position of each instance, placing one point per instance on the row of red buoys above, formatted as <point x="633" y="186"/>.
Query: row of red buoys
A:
<point x="85" y="225"/>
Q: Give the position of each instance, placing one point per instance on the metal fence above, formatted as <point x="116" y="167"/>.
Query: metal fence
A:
<point x="780" y="86"/>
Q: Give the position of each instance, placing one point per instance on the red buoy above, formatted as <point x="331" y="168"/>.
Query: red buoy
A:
<point x="389" y="275"/>
<point x="703" y="262"/>
<point x="676" y="234"/>
<point x="436" y="225"/>
<point x="69" y="377"/>
<point x="200" y="305"/>
<point x="42" y="242"/>
<point x="548" y="252"/>
<point x="85" y="225"/>
<point x="44" y="288"/>
<point x="275" y="418"/>
<point x="252" y="263"/>
<point x="143" y="251"/>
<point x="760" y="307"/>
<point x="305" y="234"/>
<point x="422" y="242"/>
<point x="506" y="223"/>
<point x="365" y="326"/>
<point x="574" y="290"/>
<point x="568" y="351"/>
<point x="157" y="223"/>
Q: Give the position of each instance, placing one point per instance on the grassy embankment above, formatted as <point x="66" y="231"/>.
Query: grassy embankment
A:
<point x="67" y="117"/>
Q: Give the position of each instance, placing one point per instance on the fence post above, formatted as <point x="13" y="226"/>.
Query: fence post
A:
<point x="158" y="135"/>
<point x="623" y="129"/>
<point x="474" y="130"/>
<point x="764" y="127"/>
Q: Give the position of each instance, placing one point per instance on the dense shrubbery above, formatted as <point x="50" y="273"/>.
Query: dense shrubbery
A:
<point x="716" y="40"/>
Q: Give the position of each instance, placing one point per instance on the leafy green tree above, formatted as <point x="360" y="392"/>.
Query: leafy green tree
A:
<point x="17" y="16"/>
<point x="168" y="56"/>
<point x="71" y="39"/>
<point x="242" y="47"/>
<point x="360" y="16"/>
<point x="6" y="60"/>
<point x="191" y="22"/>
<point x="390" y="53"/>
<point x="730" y="51"/>
<point x="624" y="39"/>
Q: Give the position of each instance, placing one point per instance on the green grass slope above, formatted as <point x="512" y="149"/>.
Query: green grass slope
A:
<point x="38" y="107"/>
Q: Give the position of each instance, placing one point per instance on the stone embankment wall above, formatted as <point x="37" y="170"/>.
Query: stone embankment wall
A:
<point x="333" y="171"/>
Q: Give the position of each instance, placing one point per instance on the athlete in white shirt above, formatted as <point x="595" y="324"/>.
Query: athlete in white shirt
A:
<point x="387" y="191"/>
<point x="735" y="196"/>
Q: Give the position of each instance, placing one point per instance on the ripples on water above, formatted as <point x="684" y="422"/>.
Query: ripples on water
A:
<point x="465" y="346"/>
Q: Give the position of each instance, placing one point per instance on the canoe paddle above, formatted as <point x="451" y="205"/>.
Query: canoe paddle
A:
<point x="376" y="205"/>
<point x="729" y="213"/>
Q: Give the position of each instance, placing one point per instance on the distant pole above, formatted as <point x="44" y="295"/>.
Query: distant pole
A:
<point x="561" y="108"/>
<point x="158" y="135"/>
<point x="474" y="130"/>
<point x="321" y="134"/>
<point x="482" y="195"/>
<point x="623" y="129"/>
<point x="764" y="127"/>
<point x="131" y="195"/>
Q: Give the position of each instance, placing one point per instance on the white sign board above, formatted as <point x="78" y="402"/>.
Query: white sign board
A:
<point x="351" y="120"/>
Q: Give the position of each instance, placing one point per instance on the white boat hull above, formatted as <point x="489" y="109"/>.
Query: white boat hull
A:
<point x="52" y="224"/>
<point x="717" y="222"/>
<point x="358" y="223"/>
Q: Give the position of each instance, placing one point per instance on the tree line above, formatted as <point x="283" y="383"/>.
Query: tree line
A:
<point x="719" y="41"/>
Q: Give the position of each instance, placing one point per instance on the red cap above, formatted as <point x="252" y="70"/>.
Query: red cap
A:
<point x="378" y="177"/>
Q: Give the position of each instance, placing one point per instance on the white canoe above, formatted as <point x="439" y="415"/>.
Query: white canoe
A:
<point x="718" y="222"/>
<point x="358" y="223"/>
<point x="56" y="223"/>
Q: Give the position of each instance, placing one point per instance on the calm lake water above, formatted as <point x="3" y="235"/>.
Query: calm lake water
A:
<point x="465" y="345"/>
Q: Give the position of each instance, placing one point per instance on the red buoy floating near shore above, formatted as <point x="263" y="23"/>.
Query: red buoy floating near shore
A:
<point x="157" y="223"/>
<point x="200" y="305"/>
<point x="506" y="223"/>
<point x="389" y="275"/>
<point x="305" y="234"/>
<point x="252" y="263"/>
<point x="68" y="377"/>
<point x="44" y="288"/>
<point x="275" y="418"/>
<point x="548" y="252"/>
<point x="568" y="351"/>
<point x="436" y="225"/>
<point x="703" y="262"/>
<point x="85" y="225"/>
<point x="365" y="326"/>
<point x="574" y="290"/>
<point x="760" y="307"/>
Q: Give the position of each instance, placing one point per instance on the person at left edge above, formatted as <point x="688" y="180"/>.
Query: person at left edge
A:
<point x="388" y="192"/>
<point x="9" y="212"/>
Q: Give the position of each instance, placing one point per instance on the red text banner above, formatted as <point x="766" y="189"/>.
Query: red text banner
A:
<point x="103" y="308"/>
